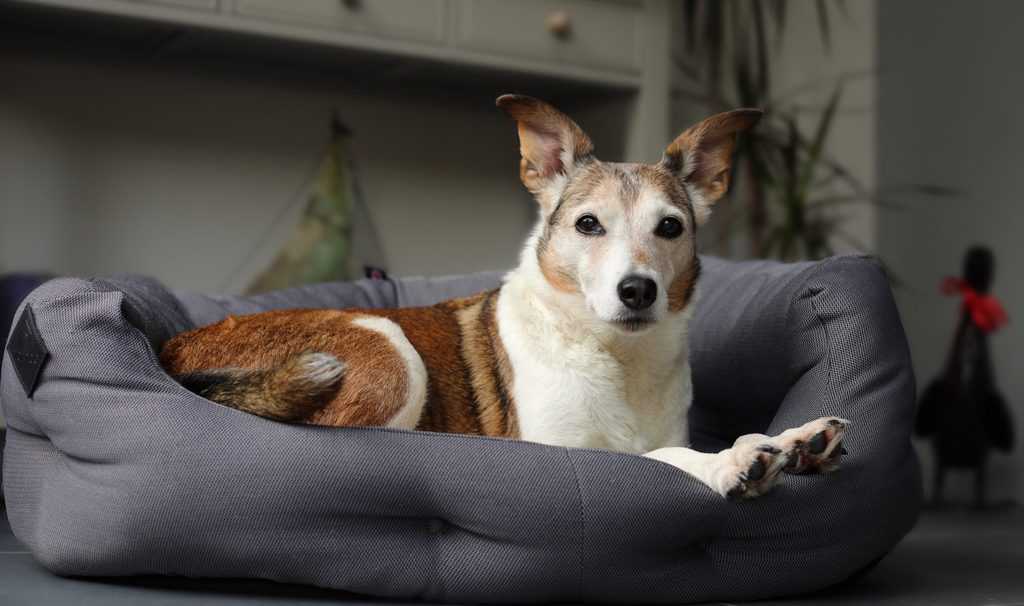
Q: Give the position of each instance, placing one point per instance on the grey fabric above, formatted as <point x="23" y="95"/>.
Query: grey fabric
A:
<point x="414" y="292"/>
<point x="202" y="310"/>
<point x="403" y="292"/>
<point x="111" y="468"/>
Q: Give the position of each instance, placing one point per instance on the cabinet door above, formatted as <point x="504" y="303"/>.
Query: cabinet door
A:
<point x="590" y="33"/>
<point x="210" y="5"/>
<point x="416" y="20"/>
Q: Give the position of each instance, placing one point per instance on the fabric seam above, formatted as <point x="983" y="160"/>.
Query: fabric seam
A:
<point x="806" y="290"/>
<point x="829" y="357"/>
<point x="583" y="524"/>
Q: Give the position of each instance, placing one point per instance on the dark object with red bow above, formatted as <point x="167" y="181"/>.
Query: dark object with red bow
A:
<point x="961" y="410"/>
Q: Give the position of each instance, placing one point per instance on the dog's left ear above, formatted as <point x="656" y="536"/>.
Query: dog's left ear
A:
<point x="550" y="143"/>
<point x="702" y="157"/>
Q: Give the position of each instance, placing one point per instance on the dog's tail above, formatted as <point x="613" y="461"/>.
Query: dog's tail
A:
<point x="291" y="391"/>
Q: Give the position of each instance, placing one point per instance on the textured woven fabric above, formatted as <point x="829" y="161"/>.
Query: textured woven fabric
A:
<point x="111" y="468"/>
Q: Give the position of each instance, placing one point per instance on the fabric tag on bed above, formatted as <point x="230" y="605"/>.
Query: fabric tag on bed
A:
<point x="27" y="350"/>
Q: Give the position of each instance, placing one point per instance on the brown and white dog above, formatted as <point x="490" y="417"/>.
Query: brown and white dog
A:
<point x="584" y="344"/>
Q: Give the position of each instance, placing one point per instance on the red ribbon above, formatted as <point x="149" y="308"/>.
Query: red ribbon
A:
<point x="985" y="311"/>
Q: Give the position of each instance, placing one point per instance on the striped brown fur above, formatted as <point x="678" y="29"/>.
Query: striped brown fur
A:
<point x="490" y="371"/>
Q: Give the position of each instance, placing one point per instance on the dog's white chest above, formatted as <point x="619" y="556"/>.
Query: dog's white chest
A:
<point x="577" y="393"/>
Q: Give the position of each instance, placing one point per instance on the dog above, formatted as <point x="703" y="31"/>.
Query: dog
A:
<point x="583" y="345"/>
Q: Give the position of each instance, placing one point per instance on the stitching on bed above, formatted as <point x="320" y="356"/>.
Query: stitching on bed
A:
<point x="66" y="295"/>
<point x="811" y="293"/>
<point x="829" y="353"/>
<point x="583" y="525"/>
<point x="17" y="355"/>
<point x="14" y="426"/>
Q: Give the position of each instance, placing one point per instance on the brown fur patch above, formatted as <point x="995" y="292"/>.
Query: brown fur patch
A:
<point x="468" y="372"/>
<point x="580" y="188"/>
<point x="290" y="392"/>
<point x="625" y="177"/>
<point x="657" y="177"/>
<point x="621" y="182"/>
<point x="559" y="278"/>
<point x="489" y="368"/>
<point x="680" y="292"/>
<point x="459" y="345"/>
<point x="436" y="335"/>
<point x="376" y="383"/>
<point x="374" y="386"/>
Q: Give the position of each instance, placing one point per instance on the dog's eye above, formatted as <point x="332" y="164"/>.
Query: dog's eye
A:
<point x="669" y="227"/>
<point x="588" y="225"/>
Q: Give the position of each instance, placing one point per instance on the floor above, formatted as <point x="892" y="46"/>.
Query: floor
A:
<point x="953" y="557"/>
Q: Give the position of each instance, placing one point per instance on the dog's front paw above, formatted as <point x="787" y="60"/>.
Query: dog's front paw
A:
<point x="815" y="447"/>
<point x="749" y="469"/>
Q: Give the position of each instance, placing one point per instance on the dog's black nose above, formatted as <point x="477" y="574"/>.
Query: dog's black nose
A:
<point x="637" y="293"/>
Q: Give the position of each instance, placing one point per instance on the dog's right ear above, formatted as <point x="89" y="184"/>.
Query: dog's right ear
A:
<point x="550" y="143"/>
<point x="702" y="157"/>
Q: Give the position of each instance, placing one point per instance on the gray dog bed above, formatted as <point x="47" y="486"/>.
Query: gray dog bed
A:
<point x="113" y="469"/>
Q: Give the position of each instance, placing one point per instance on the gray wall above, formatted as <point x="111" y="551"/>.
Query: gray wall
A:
<point x="949" y="114"/>
<point x="176" y="172"/>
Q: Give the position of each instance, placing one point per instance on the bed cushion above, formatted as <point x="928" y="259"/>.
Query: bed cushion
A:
<point x="113" y="469"/>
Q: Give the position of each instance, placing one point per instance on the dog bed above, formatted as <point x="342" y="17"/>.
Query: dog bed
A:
<point x="113" y="469"/>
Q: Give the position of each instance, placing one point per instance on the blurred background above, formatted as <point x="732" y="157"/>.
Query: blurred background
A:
<point x="218" y="144"/>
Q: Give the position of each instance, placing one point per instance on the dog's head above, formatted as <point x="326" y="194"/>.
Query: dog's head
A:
<point x="622" y="236"/>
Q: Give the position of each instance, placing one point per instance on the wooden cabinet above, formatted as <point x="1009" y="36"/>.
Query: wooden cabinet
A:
<point x="209" y="5"/>
<point x="578" y="45"/>
<point x="413" y="20"/>
<point x="603" y="42"/>
<point x="601" y="35"/>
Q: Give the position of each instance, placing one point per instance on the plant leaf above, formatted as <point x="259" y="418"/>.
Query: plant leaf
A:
<point x="789" y="156"/>
<point x="824" y="28"/>
<point x="690" y="8"/>
<point x="745" y="87"/>
<point x="814" y="152"/>
<point x="779" y="9"/>
<point x="713" y="41"/>
<point x="761" y="46"/>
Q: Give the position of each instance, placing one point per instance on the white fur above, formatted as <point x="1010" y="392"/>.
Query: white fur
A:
<point x="578" y="381"/>
<point x="322" y="368"/>
<point x="416" y="394"/>
<point x="700" y="204"/>
<point x="600" y="284"/>
<point x="626" y="233"/>
<point x="549" y="193"/>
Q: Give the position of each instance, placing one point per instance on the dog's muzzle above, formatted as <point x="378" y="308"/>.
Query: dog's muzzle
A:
<point x="637" y="293"/>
